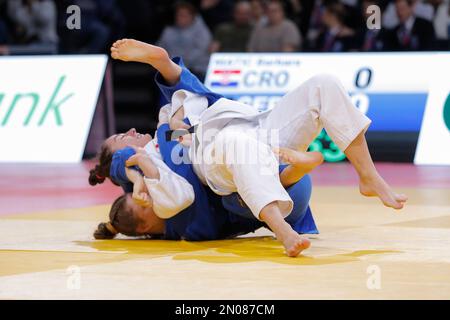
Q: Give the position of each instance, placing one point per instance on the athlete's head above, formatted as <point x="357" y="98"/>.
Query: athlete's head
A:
<point x="112" y="144"/>
<point x="129" y="138"/>
<point x="130" y="219"/>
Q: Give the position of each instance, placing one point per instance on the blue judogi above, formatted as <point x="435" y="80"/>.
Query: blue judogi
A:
<point x="301" y="218"/>
<point x="206" y="218"/>
<point x="210" y="216"/>
<point x="188" y="81"/>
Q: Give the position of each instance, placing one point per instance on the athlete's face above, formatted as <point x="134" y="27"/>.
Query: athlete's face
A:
<point x="129" y="138"/>
<point x="149" y="223"/>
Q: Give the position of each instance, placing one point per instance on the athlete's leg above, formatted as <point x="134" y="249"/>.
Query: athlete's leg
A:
<point x="322" y="102"/>
<point x="293" y="243"/>
<point x="137" y="51"/>
<point x="300" y="193"/>
<point x="300" y="163"/>
<point x="245" y="165"/>
<point x="371" y="184"/>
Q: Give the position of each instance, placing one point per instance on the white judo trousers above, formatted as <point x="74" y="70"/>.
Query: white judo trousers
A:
<point x="296" y="120"/>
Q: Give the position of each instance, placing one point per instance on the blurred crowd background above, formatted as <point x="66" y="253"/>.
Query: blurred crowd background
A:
<point x="195" y="29"/>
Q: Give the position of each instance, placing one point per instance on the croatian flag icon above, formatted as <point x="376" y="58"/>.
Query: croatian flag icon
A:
<point x="225" y="78"/>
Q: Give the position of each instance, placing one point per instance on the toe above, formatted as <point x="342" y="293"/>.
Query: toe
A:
<point x="398" y="205"/>
<point x="306" y="243"/>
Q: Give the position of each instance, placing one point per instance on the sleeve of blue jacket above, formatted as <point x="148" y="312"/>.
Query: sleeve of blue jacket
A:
<point x="188" y="81"/>
<point x="117" y="170"/>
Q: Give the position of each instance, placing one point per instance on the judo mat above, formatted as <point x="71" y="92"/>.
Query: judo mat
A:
<point x="364" y="251"/>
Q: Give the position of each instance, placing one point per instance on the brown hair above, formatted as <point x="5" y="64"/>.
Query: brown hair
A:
<point x="121" y="218"/>
<point x="101" y="170"/>
<point x="337" y="10"/>
<point x="185" y="5"/>
<point x="410" y="3"/>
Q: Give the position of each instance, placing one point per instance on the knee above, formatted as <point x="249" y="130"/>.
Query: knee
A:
<point x="325" y="80"/>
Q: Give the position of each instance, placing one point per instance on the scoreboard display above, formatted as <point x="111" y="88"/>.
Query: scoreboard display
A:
<point x="392" y="89"/>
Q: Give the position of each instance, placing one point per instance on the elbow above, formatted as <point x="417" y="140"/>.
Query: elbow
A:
<point x="187" y="200"/>
<point x="178" y="204"/>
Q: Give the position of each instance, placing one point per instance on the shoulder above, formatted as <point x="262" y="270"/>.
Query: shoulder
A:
<point x="169" y="30"/>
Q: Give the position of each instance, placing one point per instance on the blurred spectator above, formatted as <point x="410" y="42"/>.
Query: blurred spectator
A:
<point x="277" y="35"/>
<point x="371" y="39"/>
<point x="215" y="12"/>
<point x="101" y="23"/>
<point x="34" y="27"/>
<point x="189" y="38"/>
<point x="3" y="32"/>
<point x="352" y="10"/>
<point x="336" y="37"/>
<point x="3" y="38"/>
<point x="441" y="21"/>
<point x="421" y="10"/>
<point x="293" y="9"/>
<point x="313" y="16"/>
<point x="258" y="12"/>
<point x="413" y="33"/>
<point x="233" y="37"/>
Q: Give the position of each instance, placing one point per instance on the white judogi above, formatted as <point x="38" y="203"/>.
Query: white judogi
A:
<point x="171" y="193"/>
<point x="227" y="129"/>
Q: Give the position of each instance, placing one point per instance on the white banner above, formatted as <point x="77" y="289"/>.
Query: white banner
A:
<point x="433" y="146"/>
<point x="391" y="88"/>
<point x="46" y="106"/>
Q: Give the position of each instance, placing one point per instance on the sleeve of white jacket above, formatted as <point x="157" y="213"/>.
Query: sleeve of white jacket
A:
<point x="163" y="116"/>
<point x="193" y="104"/>
<point x="171" y="194"/>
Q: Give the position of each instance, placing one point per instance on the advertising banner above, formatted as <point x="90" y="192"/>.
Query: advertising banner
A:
<point x="46" y="106"/>
<point x="392" y="89"/>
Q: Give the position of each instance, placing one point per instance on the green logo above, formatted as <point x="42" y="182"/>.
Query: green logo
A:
<point x="52" y="106"/>
<point x="447" y="112"/>
<point x="327" y="147"/>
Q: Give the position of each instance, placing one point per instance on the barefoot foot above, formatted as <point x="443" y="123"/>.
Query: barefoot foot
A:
<point x="137" y="51"/>
<point x="377" y="187"/>
<point x="295" y="244"/>
<point x="306" y="161"/>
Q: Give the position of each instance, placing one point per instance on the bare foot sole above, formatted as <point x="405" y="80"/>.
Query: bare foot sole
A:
<point x="377" y="187"/>
<point x="306" y="161"/>
<point x="295" y="244"/>
<point x="137" y="51"/>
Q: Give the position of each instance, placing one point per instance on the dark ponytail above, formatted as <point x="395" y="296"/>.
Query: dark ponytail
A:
<point x="101" y="170"/>
<point x="103" y="233"/>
